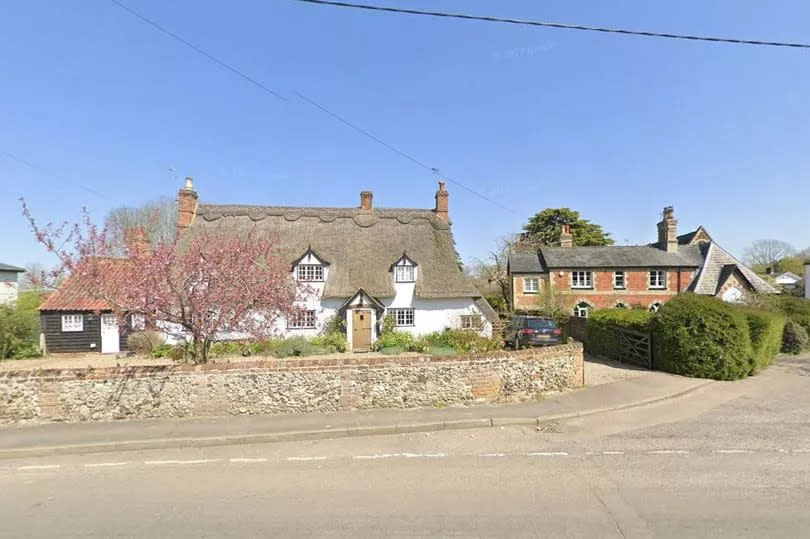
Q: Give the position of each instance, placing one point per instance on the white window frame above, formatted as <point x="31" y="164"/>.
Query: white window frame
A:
<point x="309" y="273"/>
<point x="474" y="322"/>
<point x="582" y="307"/>
<point x="302" y="320"/>
<point x="659" y="282"/>
<point x="535" y="285"/>
<point x="404" y="274"/>
<point x="403" y="317"/>
<point x="72" y="323"/>
<point x="582" y="279"/>
<point x="616" y="275"/>
<point x="137" y="321"/>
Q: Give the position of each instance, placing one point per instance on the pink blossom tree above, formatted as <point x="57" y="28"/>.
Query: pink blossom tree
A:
<point x="201" y="286"/>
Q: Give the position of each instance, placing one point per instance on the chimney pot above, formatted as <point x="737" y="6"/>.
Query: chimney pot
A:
<point x="366" y="198"/>
<point x="189" y="183"/>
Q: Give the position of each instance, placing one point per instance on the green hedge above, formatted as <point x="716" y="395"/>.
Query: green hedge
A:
<point x="766" y="330"/>
<point x="792" y="307"/>
<point x="703" y="337"/>
<point x="598" y="335"/>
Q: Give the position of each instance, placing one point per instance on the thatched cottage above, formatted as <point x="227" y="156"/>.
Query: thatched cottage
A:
<point x="363" y="263"/>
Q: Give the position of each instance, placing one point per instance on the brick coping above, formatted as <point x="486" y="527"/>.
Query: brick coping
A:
<point x="288" y="365"/>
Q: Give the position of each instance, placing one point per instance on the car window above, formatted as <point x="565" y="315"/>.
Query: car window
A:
<point x="539" y="323"/>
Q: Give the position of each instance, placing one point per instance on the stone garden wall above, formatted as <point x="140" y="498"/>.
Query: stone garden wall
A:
<point x="286" y="385"/>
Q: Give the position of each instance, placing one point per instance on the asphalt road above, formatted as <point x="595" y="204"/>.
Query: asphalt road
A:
<point x="729" y="461"/>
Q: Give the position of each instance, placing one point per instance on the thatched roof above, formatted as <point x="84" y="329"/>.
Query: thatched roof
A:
<point x="360" y="245"/>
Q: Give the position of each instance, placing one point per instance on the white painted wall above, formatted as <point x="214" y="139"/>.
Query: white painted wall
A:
<point x="9" y="288"/>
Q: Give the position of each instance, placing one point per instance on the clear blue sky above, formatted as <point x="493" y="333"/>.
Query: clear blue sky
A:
<point x="616" y="127"/>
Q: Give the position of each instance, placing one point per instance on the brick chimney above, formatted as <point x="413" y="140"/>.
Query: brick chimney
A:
<point x="136" y="240"/>
<point x="366" y="198"/>
<point x="186" y="205"/>
<point x="441" y="202"/>
<point x="668" y="231"/>
<point x="566" y="238"/>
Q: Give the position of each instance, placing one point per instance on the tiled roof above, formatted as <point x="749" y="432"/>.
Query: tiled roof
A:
<point x="9" y="267"/>
<point x="641" y="256"/>
<point x="718" y="267"/>
<point x="526" y="263"/>
<point x="81" y="293"/>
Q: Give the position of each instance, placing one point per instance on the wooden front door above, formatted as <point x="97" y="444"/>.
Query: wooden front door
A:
<point x="361" y="330"/>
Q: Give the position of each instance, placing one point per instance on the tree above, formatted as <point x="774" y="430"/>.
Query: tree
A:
<point x="554" y="305"/>
<point x="201" y="286"/>
<point x="36" y="276"/>
<point x="763" y="254"/>
<point x="544" y="229"/>
<point x="19" y="327"/>
<point x="492" y="271"/>
<point x="158" y="218"/>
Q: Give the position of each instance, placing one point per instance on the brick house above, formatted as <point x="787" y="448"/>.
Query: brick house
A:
<point x="631" y="276"/>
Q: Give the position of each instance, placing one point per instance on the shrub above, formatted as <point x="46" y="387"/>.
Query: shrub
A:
<point x="392" y="351"/>
<point x="143" y="342"/>
<point x="766" y="331"/>
<point x="230" y="348"/>
<point x="703" y="337"/>
<point x="333" y="342"/>
<point x="395" y="339"/>
<point x="794" y="338"/>
<point x="796" y="309"/>
<point x="264" y="348"/>
<point x="177" y="352"/>
<point x="19" y="327"/>
<point x="458" y="340"/>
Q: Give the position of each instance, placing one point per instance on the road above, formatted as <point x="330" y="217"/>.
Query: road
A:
<point x="730" y="460"/>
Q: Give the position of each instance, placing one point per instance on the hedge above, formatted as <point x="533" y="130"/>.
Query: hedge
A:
<point x="792" y="307"/>
<point x="794" y="338"/>
<point x="705" y="337"/>
<point x="766" y="331"/>
<point x="598" y="335"/>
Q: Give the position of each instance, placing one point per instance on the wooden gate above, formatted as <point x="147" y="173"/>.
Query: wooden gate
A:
<point x="627" y="345"/>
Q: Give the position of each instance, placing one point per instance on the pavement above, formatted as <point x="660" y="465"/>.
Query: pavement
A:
<point x="55" y="438"/>
<point x="722" y="460"/>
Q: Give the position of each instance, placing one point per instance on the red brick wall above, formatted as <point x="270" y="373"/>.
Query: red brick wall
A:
<point x="603" y="295"/>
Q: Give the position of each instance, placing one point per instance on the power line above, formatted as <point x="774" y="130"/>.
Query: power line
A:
<point x="33" y="166"/>
<point x="194" y="47"/>
<point x="312" y="102"/>
<point x="559" y="25"/>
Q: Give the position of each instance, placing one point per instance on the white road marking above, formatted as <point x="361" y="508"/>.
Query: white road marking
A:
<point x="613" y="452"/>
<point x="40" y="467"/>
<point x="801" y="450"/>
<point x="378" y="456"/>
<point x="105" y="464"/>
<point x="548" y="454"/>
<point x="161" y="462"/>
<point x="424" y="455"/>
<point x="668" y="452"/>
<point x="730" y="451"/>
<point x="492" y="455"/>
<point x="237" y="460"/>
<point x="305" y="458"/>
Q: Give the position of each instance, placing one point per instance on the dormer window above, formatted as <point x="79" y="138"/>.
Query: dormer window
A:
<point x="310" y="272"/>
<point x="404" y="270"/>
<point x="309" y="267"/>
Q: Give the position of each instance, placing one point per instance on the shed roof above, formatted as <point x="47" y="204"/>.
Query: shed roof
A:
<point x="9" y="267"/>
<point x="360" y="244"/>
<point x="80" y="293"/>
